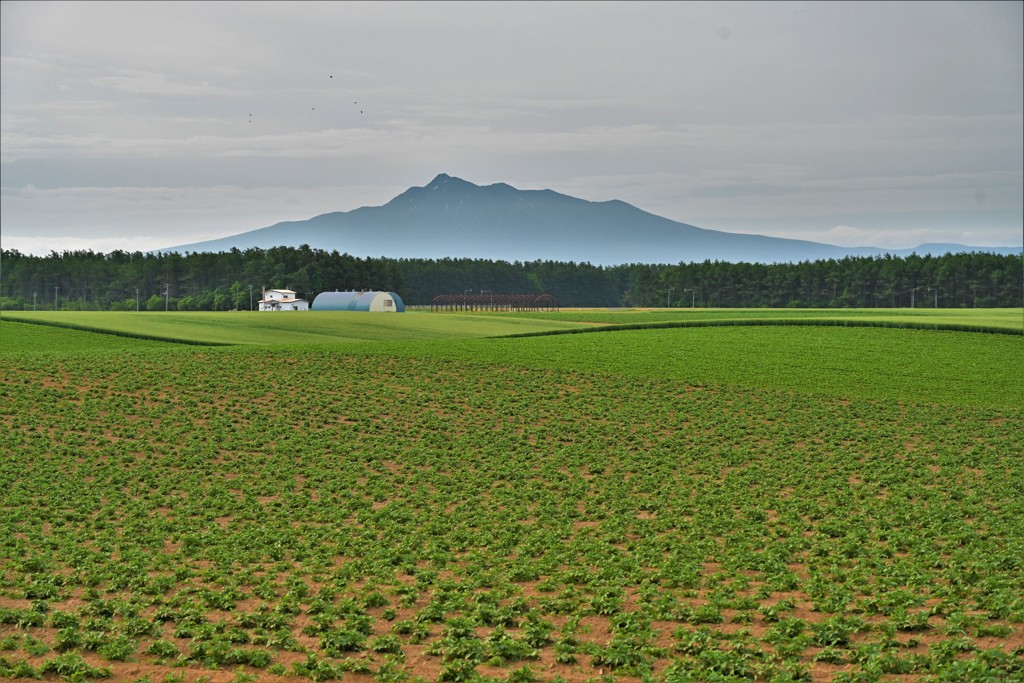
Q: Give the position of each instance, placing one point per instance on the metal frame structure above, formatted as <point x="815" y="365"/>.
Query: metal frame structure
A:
<point x="494" y="302"/>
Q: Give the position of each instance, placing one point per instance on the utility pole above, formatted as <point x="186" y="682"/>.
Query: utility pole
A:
<point x="250" y="298"/>
<point x="136" y="299"/>
<point x="936" y="290"/>
<point x="167" y="297"/>
<point x="693" y="296"/>
<point x="55" y="298"/>
<point x="668" y="299"/>
<point x="912" y="292"/>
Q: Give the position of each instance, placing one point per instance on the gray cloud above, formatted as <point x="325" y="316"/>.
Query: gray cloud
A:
<point x="861" y="122"/>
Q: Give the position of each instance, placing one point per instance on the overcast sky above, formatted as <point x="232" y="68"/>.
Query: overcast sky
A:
<point x="137" y="126"/>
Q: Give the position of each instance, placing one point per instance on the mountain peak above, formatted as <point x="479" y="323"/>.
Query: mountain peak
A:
<point x="442" y="179"/>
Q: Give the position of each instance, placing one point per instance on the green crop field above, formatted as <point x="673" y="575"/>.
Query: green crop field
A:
<point x="209" y="328"/>
<point x="990" y="319"/>
<point x="331" y="327"/>
<point x="366" y="499"/>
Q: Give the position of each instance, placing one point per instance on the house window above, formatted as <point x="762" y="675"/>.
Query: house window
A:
<point x="388" y="303"/>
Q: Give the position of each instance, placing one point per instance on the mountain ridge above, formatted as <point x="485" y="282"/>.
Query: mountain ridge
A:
<point x="453" y="218"/>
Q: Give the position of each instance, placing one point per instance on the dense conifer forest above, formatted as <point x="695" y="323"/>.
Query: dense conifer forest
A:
<point x="233" y="280"/>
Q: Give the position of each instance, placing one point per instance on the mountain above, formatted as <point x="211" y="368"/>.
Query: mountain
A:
<point x="450" y="217"/>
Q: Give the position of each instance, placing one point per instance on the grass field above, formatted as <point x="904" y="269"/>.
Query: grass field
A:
<point x="388" y="500"/>
<point x="301" y="328"/>
<point x="1009" y="319"/>
<point x="333" y="326"/>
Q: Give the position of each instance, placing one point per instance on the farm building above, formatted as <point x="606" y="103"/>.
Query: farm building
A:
<point x="282" y="300"/>
<point x="374" y="302"/>
<point x="494" y="302"/>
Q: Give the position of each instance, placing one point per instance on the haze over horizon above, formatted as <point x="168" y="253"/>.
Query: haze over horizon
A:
<point x="137" y="126"/>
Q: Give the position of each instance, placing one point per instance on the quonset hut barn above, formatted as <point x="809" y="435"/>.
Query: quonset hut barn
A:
<point x="373" y="302"/>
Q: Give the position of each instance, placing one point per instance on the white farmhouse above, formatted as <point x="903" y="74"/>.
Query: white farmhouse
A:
<point x="282" y="300"/>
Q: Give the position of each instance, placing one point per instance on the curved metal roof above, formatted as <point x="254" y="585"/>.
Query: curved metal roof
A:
<point x="353" y="301"/>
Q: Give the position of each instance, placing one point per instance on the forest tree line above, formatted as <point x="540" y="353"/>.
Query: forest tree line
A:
<point x="234" y="280"/>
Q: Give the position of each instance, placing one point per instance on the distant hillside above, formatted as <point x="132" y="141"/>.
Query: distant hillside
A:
<point x="451" y="217"/>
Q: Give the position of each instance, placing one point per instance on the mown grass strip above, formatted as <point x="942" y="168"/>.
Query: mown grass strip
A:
<point x="781" y="322"/>
<point x="142" y="336"/>
<point x="1011" y="319"/>
<point x="244" y="328"/>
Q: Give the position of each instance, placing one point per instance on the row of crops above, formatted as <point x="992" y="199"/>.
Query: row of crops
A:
<point x="575" y="508"/>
